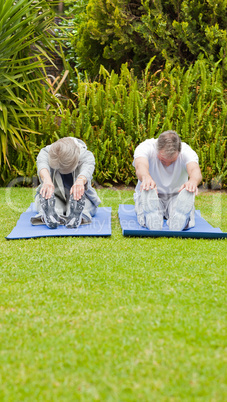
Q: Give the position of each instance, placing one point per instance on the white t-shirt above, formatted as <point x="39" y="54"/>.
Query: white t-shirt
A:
<point x="167" y="178"/>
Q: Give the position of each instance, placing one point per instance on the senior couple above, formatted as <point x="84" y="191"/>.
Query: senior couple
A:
<point x="168" y="177"/>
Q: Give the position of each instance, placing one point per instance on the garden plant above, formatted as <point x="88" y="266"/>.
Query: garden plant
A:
<point x="116" y="112"/>
<point x="25" y="43"/>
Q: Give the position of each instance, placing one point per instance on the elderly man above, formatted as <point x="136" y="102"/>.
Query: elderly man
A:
<point x="168" y="175"/>
<point x="65" y="195"/>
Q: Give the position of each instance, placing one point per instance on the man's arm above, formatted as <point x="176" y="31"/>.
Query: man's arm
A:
<point x="195" y="177"/>
<point x="142" y="173"/>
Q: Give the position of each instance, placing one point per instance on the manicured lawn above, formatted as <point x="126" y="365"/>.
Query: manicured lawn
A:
<point x="112" y="319"/>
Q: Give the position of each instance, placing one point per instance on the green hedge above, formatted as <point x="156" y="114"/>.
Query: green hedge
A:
<point x="117" y="112"/>
<point x="118" y="31"/>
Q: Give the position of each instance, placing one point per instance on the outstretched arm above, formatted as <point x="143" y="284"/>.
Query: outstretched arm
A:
<point x="78" y="187"/>
<point x="85" y="170"/>
<point x="195" y="177"/>
<point x="142" y="173"/>
<point x="47" y="188"/>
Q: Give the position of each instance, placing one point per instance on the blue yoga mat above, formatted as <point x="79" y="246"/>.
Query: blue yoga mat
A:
<point x="100" y="226"/>
<point x="130" y="227"/>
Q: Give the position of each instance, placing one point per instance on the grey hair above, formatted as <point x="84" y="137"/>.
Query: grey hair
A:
<point x="169" y="142"/>
<point x="64" y="155"/>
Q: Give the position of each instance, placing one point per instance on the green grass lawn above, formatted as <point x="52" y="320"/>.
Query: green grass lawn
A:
<point x="112" y="319"/>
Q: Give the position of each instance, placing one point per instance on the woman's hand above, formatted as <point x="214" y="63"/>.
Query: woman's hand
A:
<point x="78" y="188"/>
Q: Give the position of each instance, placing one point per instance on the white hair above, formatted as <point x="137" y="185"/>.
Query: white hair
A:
<point x="64" y="155"/>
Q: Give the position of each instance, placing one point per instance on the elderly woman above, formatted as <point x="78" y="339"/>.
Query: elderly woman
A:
<point x="65" y="195"/>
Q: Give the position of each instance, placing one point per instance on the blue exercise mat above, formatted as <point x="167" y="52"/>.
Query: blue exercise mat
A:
<point x="130" y="227"/>
<point x="100" y="226"/>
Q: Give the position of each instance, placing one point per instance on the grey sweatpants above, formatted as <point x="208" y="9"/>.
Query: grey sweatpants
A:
<point x="167" y="207"/>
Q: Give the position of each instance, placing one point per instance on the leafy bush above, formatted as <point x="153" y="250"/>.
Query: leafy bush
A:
<point x="119" y="31"/>
<point x="117" y="112"/>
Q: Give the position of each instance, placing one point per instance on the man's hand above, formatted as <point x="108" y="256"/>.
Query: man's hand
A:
<point x="190" y="186"/>
<point x="147" y="183"/>
<point x="78" y="188"/>
<point x="195" y="178"/>
<point x="142" y="172"/>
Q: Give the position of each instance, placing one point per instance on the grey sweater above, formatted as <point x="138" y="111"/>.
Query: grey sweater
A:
<point x="85" y="168"/>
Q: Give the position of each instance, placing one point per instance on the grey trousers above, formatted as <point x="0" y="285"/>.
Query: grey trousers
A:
<point x="167" y="208"/>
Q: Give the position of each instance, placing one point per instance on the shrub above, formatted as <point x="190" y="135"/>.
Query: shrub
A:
<point x="119" y="31"/>
<point x="117" y="112"/>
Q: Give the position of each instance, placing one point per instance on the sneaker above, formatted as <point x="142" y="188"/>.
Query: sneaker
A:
<point x="154" y="221"/>
<point x="184" y="206"/>
<point x="75" y="215"/>
<point x="149" y="200"/>
<point x="150" y="204"/>
<point x="141" y="219"/>
<point x="50" y="216"/>
<point x="86" y="220"/>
